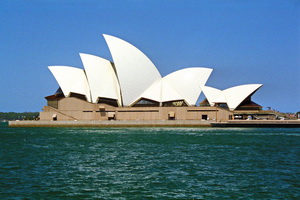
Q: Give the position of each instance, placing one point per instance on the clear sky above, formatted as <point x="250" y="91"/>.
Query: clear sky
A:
<point x="244" y="41"/>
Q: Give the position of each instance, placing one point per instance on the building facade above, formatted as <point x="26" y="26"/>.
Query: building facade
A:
<point x="131" y="88"/>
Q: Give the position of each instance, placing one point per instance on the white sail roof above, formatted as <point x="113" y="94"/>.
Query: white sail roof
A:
<point x="213" y="95"/>
<point x="180" y="85"/>
<point x="101" y="77"/>
<point x="153" y="92"/>
<point x="134" y="76"/>
<point x="188" y="81"/>
<point x="233" y="96"/>
<point x="161" y="91"/>
<point x="169" y="92"/>
<point x="135" y="71"/>
<point x="71" y="79"/>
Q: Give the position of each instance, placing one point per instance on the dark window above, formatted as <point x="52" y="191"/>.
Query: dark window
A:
<point x="146" y="103"/>
<point x="204" y="117"/>
<point x="78" y="96"/>
<point x="111" y="102"/>
<point x="174" y="103"/>
<point x="54" y="117"/>
<point x="222" y="105"/>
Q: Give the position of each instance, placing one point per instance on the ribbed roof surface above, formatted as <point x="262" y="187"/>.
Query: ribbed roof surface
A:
<point x="71" y="79"/>
<point x="233" y="96"/>
<point x="135" y="70"/>
<point x="182" y="84"/>
<point x="136" y="77"/>
<point x="101" y="77"/>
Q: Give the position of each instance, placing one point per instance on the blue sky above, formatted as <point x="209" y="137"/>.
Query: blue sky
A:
<point x="244" y="41"/>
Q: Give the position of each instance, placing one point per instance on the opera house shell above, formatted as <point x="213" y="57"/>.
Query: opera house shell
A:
<point x="130" y="86"/>
<point x="232" y="97"/>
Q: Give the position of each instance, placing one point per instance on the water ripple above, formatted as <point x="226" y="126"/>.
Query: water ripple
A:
<point x="149" y="163"/>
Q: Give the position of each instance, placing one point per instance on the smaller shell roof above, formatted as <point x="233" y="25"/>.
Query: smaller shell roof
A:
<point x="233" y="96"/>
<point x="213" y="95"/>
<point x="101" y="77"/>
<point x="71" y="80"/>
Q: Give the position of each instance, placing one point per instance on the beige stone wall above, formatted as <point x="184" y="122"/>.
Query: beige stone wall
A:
<point x="223" y="115"/>
<point x="70" y="109"/>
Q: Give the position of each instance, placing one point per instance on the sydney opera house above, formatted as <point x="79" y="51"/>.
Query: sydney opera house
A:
<point x="131" y="88"/>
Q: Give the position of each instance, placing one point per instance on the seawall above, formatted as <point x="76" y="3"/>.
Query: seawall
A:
<point x="159" y="123"/>
<point x="259" y="123"/>
<point x="116" y="123"/>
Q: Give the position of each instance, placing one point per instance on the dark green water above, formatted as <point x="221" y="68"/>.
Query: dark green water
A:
<point x="149" y="163"/>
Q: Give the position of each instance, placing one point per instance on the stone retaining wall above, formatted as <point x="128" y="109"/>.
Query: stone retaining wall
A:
<point x="116" y="123"/>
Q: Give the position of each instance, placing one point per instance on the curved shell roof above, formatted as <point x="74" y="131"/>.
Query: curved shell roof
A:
<point x="161" y="91"/>
<point x="135" y="70"/>
<point x="213" y="95"/>
<point x="233" y="96"/>
<point x="135" y="77"/>
<point x="169" y="92"/>
<point x="101" y="77"/>
<point x="188" y="81"/>
<point x="71" y="79"/>
<point x="182" y="84"/>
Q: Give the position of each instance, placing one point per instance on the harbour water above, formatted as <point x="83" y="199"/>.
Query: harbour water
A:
<point x="149" y="163"/>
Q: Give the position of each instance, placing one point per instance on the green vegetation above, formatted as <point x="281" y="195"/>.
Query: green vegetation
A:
<point x="4" y="116"/>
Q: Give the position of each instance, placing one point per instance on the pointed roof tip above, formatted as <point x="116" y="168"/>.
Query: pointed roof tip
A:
<point x="50" y="68"/>
<point x="107" y="35"/>
<point x="188" y="68"/>
<point x="258" y="85"/>
<point x="253" y="84"/>
<point x="55" y="66"/>
<point x="85" y="54"/>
